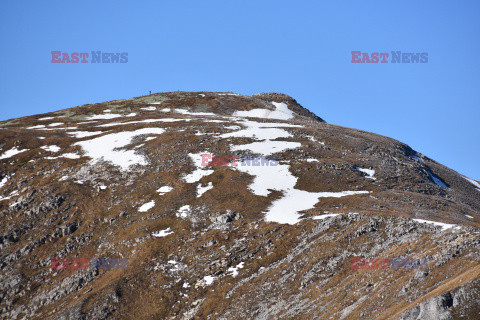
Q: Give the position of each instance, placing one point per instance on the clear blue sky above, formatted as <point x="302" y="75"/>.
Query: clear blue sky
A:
<point x="298" y="48"/>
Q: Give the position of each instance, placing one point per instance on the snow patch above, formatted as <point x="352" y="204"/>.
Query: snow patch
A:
<point x="368" y="172"/>
<point x="83" y="134"/>
<point x="106" y="116"/>
<point x="149" y="108"/>
<point x="164" y="189"/>
<point x="437" y="181"/>
<point x="46" y="118"/>
<point x="184" y="211"/>
<point x="107" y="147"/>
<point x="3" y="182"/>
<point x="324" y="216"/>
<point x="162" y="233"/>
<point x="281" y="112"/>
<point x="418" y="159"/>
<point x="201" y="190"/>
<point x="234" y="270"/>
<point x="444" y="226"/>
<point x="147" y="206"/>
<point x="198" y="173"/>
<point x="52" y="148"/>
<point x="208" y="280"/>
<point x="12" y="152"/>
<point x="475" y="183"/>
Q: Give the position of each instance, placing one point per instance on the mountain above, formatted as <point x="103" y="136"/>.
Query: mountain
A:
<point x="203" y="205"/>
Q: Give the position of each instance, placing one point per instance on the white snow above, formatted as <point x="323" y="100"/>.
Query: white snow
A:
<point x="10" y="153"/>
<point x="52" y="148"/>
<point x="324" y="216"/>
<point x="40" y="126"/>
<point x="199" y="172"/>
<point x="142" y="121"/>
<point x="162" y="233"/>
<point x="56" y="124"/>
<point x="164" y="189"/>
<point x="444" y="226"/>
<point x="468" y="216"/>
<point x="147" y="206"/>
<point x="183" y="111"/>
<point x="312" y="160"/>
<point x="201" y="95"/>
<point x="3" y="182"/>
<point x="11" y="195"/>
<point x="46" y="118"/>
<point x="103" y="116"/>
<point x="186" y="285"/>
<point x="368" y="172"/>
<point x="149" y="108"/>
<point x="266" y="132"/>
<point x="281" y="112"/>
<point x="65" y="155"/>
<point x="83" y="134"/>
<point x="107" y="111"/>
<point x="234" y="270"/>
<point x="201" y="190"/>
<point x="165" y="110"/>
<point x="107" y="147"/>
<point x="475" y="183"/>
<point x="287" y="208"/>
<point x="70" y="156"/>
<point x="156" y="102"/>
<point x="417" y="158"/>
<point x="437" y="181"/>
<point x="208" y="280"/>
<point x="196" y="175"/>
<point x="183" y="211"/>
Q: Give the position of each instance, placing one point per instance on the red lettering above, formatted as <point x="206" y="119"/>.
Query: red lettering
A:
<point x="384" y="56"/>
<point x="355" y="56"/>
<point x="84" y="55"/>
<point x="55" y="55"/>
<point x="206" y="159"/>
<point x="365" y="58"/>
<point x="65" y="58"/>
<point x="75" y="57"/>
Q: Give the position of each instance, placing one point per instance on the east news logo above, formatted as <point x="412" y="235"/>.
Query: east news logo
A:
<point x="396" y="57"/>
<point x="96" y="57"/>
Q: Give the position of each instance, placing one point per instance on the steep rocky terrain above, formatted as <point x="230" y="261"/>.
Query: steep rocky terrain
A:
<point x="125" y="180"/>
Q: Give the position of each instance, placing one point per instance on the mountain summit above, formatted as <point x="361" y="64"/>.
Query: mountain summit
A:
<point x="204" y="205"/>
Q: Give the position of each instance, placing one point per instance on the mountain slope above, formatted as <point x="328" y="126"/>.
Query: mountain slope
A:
<point x="126" y="179"/>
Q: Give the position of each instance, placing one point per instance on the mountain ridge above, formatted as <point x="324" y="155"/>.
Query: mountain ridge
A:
<point x="124" y="179"/>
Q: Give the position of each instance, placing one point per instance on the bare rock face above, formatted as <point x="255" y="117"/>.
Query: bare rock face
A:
<point x="203" y="205"/>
